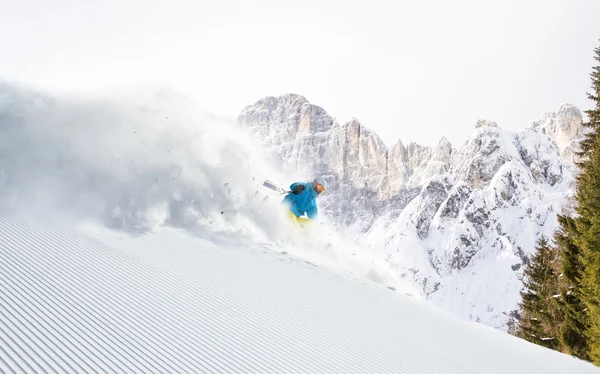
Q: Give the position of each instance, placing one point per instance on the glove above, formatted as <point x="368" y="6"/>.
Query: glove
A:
<point x="298" y="189"/>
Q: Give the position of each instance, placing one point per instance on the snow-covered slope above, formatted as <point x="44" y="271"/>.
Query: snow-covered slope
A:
<point x="458" y="223"/>
<point x="143" y="159"/>
<point x="135" y="237"/>
<point x="86" y="299"/>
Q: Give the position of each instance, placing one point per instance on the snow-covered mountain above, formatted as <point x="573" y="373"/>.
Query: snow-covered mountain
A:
<point x="563" y="127"/>
<point x="135" y="237"/>
<point x="459" y="223"/>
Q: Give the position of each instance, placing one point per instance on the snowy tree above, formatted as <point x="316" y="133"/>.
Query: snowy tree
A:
<point x="587" y="220"/>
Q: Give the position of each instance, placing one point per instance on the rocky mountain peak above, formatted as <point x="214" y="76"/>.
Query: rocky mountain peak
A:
<point x="485" y="123"/>
<point x="564" y="127"/>
<point x="449" y="218"/>
<point x="444" y="150"/>
<point x="444" y="143"/>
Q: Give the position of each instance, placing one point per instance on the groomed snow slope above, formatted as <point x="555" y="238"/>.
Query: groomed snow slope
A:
<point x="85" y="299"/>
<point x="135" y="238"/>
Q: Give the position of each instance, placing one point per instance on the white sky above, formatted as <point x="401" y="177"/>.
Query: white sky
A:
<point x="414" y="70"/>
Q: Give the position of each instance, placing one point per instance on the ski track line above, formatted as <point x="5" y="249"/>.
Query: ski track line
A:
<point x="4" y="367"/>
<point x="449" y="357"/>
<point x="47" y="342"/>
<point x="41" y="284"/>
<point x="113" y="336"/>
<point x="72" y="350"/>
<point x="32" y="337"/>
<point x="26" y="239"/>
<point x="108" y="302"/>
<point x="80" y="322"/>
<point x="58" y="318"/>
<point x="31" y="273"/>
<point x="17" y="351"/>
<point x="24" y="347"/>
<point x="342" y="315"/>
<point x="292" y="334"/>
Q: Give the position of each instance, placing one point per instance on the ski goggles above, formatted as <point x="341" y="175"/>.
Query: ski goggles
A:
<point x="318" y="187"/>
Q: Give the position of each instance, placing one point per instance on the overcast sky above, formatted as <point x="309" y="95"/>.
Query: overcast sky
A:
<point x="411" y="70"/>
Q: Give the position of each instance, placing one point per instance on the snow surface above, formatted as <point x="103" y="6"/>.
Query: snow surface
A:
<point x="83" y="298"/>
<point x="135" y="236"/>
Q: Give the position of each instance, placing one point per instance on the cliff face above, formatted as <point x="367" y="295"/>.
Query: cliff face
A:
<point x="460" y="222"/>
<point x="365" y="177"/>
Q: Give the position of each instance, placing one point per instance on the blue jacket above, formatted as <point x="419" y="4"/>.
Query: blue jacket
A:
<point x="304" y="201"/>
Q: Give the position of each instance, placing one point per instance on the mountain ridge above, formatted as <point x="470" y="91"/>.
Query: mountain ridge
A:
<point x="434" y="212"/>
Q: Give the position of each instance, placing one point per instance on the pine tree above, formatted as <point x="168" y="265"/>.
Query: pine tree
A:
<point x="537" y="323"/>
<point x="572" y="329"/>
<point x="588" y="220"/>
<point x="590" y="141"/>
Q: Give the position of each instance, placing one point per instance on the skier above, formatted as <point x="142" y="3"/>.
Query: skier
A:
<point x="303" y="199"/>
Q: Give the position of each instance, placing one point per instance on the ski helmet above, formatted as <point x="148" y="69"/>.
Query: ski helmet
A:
<point x="321" y="182"/>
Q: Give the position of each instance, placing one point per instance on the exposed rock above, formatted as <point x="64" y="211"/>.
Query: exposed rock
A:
<point x="446" y="213"/>
<point x="564" y="127"/>
<point x="433" y="196"/>
<point x="485" y="123"/>
<point x="456" y="201"/>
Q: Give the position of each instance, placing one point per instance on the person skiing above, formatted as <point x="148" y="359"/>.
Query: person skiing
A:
<point x="302" y="199"/>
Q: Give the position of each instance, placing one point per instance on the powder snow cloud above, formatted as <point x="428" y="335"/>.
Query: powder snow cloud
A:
<point x="132" y="160"/>
<point x="137" y="159"/>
